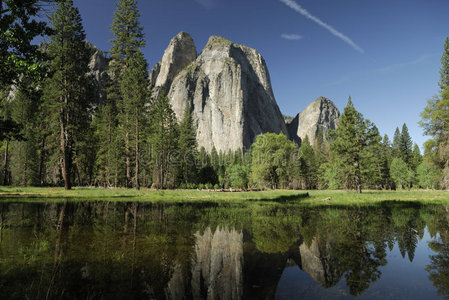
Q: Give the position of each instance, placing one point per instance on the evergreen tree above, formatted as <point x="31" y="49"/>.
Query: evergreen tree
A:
<point x="66" y="91"/>
<point x="110" y="162"/>
<point x="187" y="147"/>
<point x="125" y="53"/>
<point x="395" y="147"/>
<point x="405" y="145"/>
<point x="164" y="136"/>
<point x="307" y="167"/>
<point x="204" y="158"/>
<point x="444" y="71"/>
<point x="330" y="175"/>
<point x="25" y="112"/>
<point x="133" y="89"/>
<point x="386" y="158"/>
<point x="214" y="158"/>
<point x="416" y="157"/>
<point x="373" y="160"/>
<point x="353" y="135"/>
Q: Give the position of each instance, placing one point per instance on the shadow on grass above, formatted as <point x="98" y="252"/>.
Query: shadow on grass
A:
<point x="285" y="198"/>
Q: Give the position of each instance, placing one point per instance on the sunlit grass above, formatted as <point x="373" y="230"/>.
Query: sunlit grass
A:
<point x="37" y="193"/>
<point x="315" y="198"/>
<point x="374" y="197"/>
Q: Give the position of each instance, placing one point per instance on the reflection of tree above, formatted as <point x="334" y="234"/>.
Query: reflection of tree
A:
<point x="408" y="226"/>
<point x="274" y="233"/>
<point x="439" y="267"/>
<point x="358" y="254"/>
<point x="273" y="237"/>
<point x="154" y="257"/>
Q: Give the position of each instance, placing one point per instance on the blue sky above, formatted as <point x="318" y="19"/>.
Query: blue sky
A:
<point x="384" y="53"/>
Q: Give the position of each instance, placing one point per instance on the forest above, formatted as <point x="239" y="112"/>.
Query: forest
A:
<point x="56" y="131"/>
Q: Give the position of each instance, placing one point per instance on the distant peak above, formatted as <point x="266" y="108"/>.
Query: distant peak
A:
<point x="183" y="34"/>
<point x="218" y="41"/>
<point x="323" y="99"/>
<point x="182" y="37"/>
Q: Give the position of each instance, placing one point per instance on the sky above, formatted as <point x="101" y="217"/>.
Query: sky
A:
<point x="385" y="54"/>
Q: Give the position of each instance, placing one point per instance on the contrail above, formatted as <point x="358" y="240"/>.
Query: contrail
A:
<point x="295" y="6"/>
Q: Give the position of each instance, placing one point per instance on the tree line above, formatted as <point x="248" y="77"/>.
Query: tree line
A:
<point x="57" y="131"/>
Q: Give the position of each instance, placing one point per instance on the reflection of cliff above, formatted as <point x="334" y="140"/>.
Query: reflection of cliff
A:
<point x="318" y="264"/>
<point x="217" y="267"/>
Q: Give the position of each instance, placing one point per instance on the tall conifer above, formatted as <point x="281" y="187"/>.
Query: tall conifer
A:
<point x="66" y="91"/>
<point x="125" y="53"/>
<point x="187" y="147"/>
<point x="350" y="141"/>
<point x="405" y="146"/>
<point x="164" y="134"/>
<point x="395" y="147"/>
<point x="444" y="71"/>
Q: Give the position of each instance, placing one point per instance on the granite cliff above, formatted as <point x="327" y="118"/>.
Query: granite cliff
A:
<point x="179" y="54"/>
<point x="320" y="115"/>
<point x="228" y="90"/>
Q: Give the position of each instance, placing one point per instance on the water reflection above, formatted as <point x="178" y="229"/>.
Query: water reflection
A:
<point x="211" y="251"/>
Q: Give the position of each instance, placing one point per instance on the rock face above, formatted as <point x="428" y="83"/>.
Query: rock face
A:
<point x="229" y="92"/>
<point x="180" y="53"/>
<point x="97" y="69"/>
<point x="321" y="114"/>
<point x="217" y="270"/>
<point x="318" y="264"/>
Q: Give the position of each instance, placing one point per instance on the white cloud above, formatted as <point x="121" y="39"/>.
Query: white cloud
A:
<point x="296" y="7"/>
<point x="291" y="36"/>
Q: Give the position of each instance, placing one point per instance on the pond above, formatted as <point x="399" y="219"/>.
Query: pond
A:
<point x="258" y="250"/>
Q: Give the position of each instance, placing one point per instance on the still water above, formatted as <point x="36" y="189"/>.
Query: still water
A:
<point x="130" y="250"/>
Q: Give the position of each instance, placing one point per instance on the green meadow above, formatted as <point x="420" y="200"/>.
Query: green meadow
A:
<point x="308" y="198"/>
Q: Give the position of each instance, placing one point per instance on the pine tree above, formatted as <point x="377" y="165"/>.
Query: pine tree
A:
<point x="125" y="52"/>
<point x="25" y="112"/>
<point x="307" y="165"/>
<point x="106" y="123"/>
<point x="372" y="159"/>
<point x="164" y="136"/>
<point x="386" y="158"/>
<point x="405" y="146"/>
<point x="350" y="140"/>
<point x="214" y="159"/>
<point x="66" y="91"/>
<point x="133" y="88"/>
<point x="395" y="147"/>
<point x="416" y="157"/>
<point x="444" y="71"/>
<point x="187" y="147"/>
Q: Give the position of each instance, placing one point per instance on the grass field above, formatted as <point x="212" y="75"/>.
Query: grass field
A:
<point x="37" y="193"/>
<point x="309" y="198"/>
